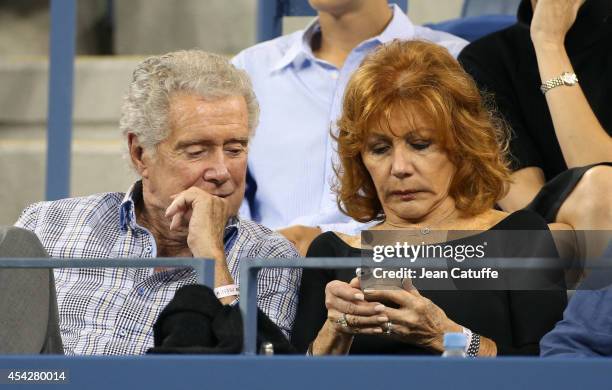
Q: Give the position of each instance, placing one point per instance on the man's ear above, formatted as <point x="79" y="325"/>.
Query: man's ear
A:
<point x="137" y="155"/>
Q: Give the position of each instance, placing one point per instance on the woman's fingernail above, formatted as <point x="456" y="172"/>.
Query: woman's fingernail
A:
<point x="359" y="297"/>
<point x="378" y="330"/>
<point x="368" y="291"/>
<point x="382" y="319"/>
<point x="379" y="307"/>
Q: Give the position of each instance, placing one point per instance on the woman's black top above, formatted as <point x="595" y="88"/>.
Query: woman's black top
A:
<point x="515" y="320"/>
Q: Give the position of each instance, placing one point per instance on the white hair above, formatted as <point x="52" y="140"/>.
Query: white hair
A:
<point x="145" y="108"/>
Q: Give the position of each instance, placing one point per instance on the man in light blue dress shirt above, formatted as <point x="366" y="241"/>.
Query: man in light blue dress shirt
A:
<point x="299" y="80"/>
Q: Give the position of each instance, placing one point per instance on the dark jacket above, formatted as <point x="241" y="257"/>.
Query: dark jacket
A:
<point x="195" y="322"/>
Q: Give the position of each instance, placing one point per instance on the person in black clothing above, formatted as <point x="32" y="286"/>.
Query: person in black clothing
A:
<point x="418" y="150"/>
<point x="561" y="146"/>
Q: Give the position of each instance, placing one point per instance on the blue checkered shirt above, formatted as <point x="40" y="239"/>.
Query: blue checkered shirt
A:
<point x="112" y="310"/>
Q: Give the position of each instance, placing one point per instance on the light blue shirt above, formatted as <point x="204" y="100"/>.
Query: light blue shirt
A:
<point x="292" y="154"/>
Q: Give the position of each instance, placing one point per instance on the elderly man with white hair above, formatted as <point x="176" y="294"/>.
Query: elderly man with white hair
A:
<point x="187" y="119"/>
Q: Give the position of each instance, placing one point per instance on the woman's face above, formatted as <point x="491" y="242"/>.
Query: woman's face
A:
<point x="410" y="169"/>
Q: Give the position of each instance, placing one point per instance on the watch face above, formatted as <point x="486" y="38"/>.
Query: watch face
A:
<point x="569" y="78"/>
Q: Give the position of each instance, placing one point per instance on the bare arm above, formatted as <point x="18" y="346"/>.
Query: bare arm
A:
<point x="300" y="236"/>
<point x="526" y="183"/>
<point x="582" y="139"/>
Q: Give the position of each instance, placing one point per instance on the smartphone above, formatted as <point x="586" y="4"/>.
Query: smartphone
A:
<point x="369" y="279"/>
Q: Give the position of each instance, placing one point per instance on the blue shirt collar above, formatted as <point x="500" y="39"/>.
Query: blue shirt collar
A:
<point x="127" y="209"/>
<point x="300" y="51"/>
<point x="400" y="27"/>
<point x="127" y="215"/>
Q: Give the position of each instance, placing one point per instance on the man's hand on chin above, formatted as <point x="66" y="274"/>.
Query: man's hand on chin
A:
<point x="300" y="236"/>
<point x="204" y="215"/>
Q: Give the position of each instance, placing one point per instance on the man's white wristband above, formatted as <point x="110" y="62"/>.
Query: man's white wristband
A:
<point x="226" y="291"/>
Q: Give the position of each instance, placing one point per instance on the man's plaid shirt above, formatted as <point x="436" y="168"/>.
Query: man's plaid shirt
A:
<point x="112" y="311"/>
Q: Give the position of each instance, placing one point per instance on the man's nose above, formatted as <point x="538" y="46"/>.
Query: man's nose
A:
<point x="217" y="171"/>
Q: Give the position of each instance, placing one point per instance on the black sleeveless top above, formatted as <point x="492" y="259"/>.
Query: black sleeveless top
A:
<point x="515" y="320"/>
<point x="504" y="65"/>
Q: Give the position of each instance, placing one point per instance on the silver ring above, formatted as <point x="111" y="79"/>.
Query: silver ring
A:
<point x="388" y="327"/>
<point x="342" y="321"/>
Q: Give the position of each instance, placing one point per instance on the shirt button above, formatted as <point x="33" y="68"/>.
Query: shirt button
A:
<point x="141" y="291"/>
<point x="334" y="75"/>
<point x="148" y="249"/>
<point x="122" y="333"/>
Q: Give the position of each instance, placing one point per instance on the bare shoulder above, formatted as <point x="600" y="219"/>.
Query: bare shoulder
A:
<point x="495" y="216"/>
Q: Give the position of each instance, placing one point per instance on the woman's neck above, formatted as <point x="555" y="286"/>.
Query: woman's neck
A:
<point x="444" y="216"/>
<point x="451" y="221"/>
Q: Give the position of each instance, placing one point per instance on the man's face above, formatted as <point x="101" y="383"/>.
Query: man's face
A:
<point x="206" y="148"/>
<point x="336" y="7"/>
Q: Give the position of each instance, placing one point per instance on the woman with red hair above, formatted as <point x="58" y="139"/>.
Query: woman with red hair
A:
<point x="419" y="152"/>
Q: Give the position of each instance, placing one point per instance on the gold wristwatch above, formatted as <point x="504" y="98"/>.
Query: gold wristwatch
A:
<point x="566" y="78"/>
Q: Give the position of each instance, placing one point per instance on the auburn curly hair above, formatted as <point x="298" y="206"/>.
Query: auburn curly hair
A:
<point x="418" y="75"/>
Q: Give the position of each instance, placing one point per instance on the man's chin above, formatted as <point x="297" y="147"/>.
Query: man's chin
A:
<point x="180" y="233"/>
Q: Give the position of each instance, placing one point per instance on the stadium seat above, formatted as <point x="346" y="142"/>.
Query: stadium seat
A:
<point x="473" y="27"/>
<point x="480" y="18"/>
<point x="489" y="7"/>
<point x="29" y="321"/>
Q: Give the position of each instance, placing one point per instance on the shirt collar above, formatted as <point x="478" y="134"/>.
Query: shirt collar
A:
<point x="400" y="27"/>
<point x="127" y="215"/>
<point x="127" y="209"/>
<point x="300" y="51"/>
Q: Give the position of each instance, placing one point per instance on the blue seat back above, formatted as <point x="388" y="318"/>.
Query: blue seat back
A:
<point x="480" y="18"/>
<point x="489" y="7"/>
<point x="473" y="27"/>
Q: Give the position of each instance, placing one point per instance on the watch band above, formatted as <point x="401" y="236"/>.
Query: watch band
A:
<point x="474" y="346"/>
<point x="566" y="78"/>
